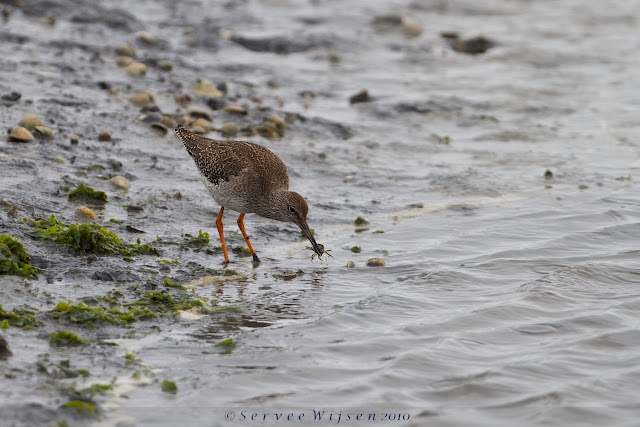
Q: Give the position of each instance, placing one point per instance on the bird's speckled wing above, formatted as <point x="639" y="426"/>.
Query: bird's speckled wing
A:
<point x="220" y="160"/>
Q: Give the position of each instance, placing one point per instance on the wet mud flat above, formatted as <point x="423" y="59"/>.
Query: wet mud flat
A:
<point x="467" y="160"/>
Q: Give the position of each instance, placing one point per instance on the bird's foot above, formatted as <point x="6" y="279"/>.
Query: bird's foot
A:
<point x="256" y="260"/>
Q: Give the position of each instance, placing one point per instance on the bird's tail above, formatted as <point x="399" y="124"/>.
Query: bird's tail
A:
<point x="192" y="141"/>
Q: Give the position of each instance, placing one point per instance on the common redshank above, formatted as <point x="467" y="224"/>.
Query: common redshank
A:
<point x="247" y="178"/>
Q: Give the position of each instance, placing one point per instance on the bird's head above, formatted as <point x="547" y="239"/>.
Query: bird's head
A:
<point x="293" y="208"/>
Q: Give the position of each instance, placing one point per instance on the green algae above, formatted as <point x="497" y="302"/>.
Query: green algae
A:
<point x="130" y="359"/>
<point x="169" y="387"/>
<point x="415" y="206"/>
<point x="95" y="167"/>
<point x="171" y="283"/>
<point x="227" y="308"/>
<point x="4" y="324"/>
<point x="202" y="239"/>
<point x="356" y="249"/>
<point x="199" y="270"/>
<point x="14" y="259"/>
<point x="80" y="407"/>
<point x="87" y="194"/>
<point x="72" y="373"/>
<point x="226" y="346"/>
<point x="20" y="318"/>
<point x="80" y="313"/>
<point x="88" y="238"/>
<point x="66" y="339"/>
<point x="162" y="303"/>
<point x="95" y="389"/>
<point x="360" y="221"/>
<point x="241" y="251"/>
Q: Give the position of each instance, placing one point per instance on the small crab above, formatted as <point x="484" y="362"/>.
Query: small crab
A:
<point x="321" y="250"/>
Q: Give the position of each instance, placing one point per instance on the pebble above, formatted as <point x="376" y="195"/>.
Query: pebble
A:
<point x="198" y="130"/>
<point x="135" y="208"/>
<point x="291" y="118"/>
<point x="126" y="50"/>
<point x="235" y="109"/>
<point x="229" y="129"/>
<point x="165" y="65"/>
<point x="137" y="69"/>
<point x="142" y="98"/>
<point x="473" y="46"/>
<point x="216" y="103"/>
<point x="59" y="159"/>
<point x="20" y="134"/>
<point x="146" y="37"/>
<point x="120" y="182"/>
<point x="74" y="139"/>
<point x="104" y="136"/>
<point x="351" y="264"/>
<point x="267" y="129"/>
<point x="11" y="96"/>
<point x="183" y="99"/>
<point x="362" y="96"/>
<point x="123" y="61"/>
<point x="48" y="19"/>
<point x="198" y="113"/>
<point x="411" y="27"/>
<point x="206" y="88"/>
<point x="548" y="174"/>
<point x="203" y="123"/>
<point x="225" y="34"/>
<point x="247" y="130"/>
<point x="375" y="262"/>
<point x="279" y="123"/>
<point x="43" y="132"/>
<point x="48" y="75"/>
<point x="349" y="178"/>
<point x="168" y="122"/>
<point x="30" y="121"/>
<point x="152" y="117"/>
<point x="86" y="212"/>
<point x="160" y="128"/>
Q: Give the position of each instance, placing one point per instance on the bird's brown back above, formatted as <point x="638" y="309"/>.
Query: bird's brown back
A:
<point x="219" y="160"/>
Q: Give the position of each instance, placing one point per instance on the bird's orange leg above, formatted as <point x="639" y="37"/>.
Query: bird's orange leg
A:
<point x="246" y="238"/>
<point x="221" y="233"/>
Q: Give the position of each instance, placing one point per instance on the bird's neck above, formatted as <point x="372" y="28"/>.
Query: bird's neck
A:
<point x="271" y="206"/>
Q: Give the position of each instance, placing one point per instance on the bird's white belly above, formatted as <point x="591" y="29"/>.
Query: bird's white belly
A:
<point x="224" y="195"/>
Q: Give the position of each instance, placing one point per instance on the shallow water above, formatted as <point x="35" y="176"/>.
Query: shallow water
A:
<point x="508" y="298"/>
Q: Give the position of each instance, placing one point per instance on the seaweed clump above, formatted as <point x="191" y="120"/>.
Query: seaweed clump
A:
<point x="169" y="387"/>
<point x="89" y="238"/>
<point x="66" y="339"/>
<point x="13" y="258"/>
<point x="19" y="318"/>
<point x="162" y="303"/>
<point x="87" y="194"/>
<point x="81" y="313"/>
<point x="226" y="346"/>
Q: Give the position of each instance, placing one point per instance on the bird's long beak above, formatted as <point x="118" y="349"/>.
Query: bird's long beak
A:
<point x="307" y="232"/>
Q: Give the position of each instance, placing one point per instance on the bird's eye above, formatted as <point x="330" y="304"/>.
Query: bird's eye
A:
<point x="292" y="209"/>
